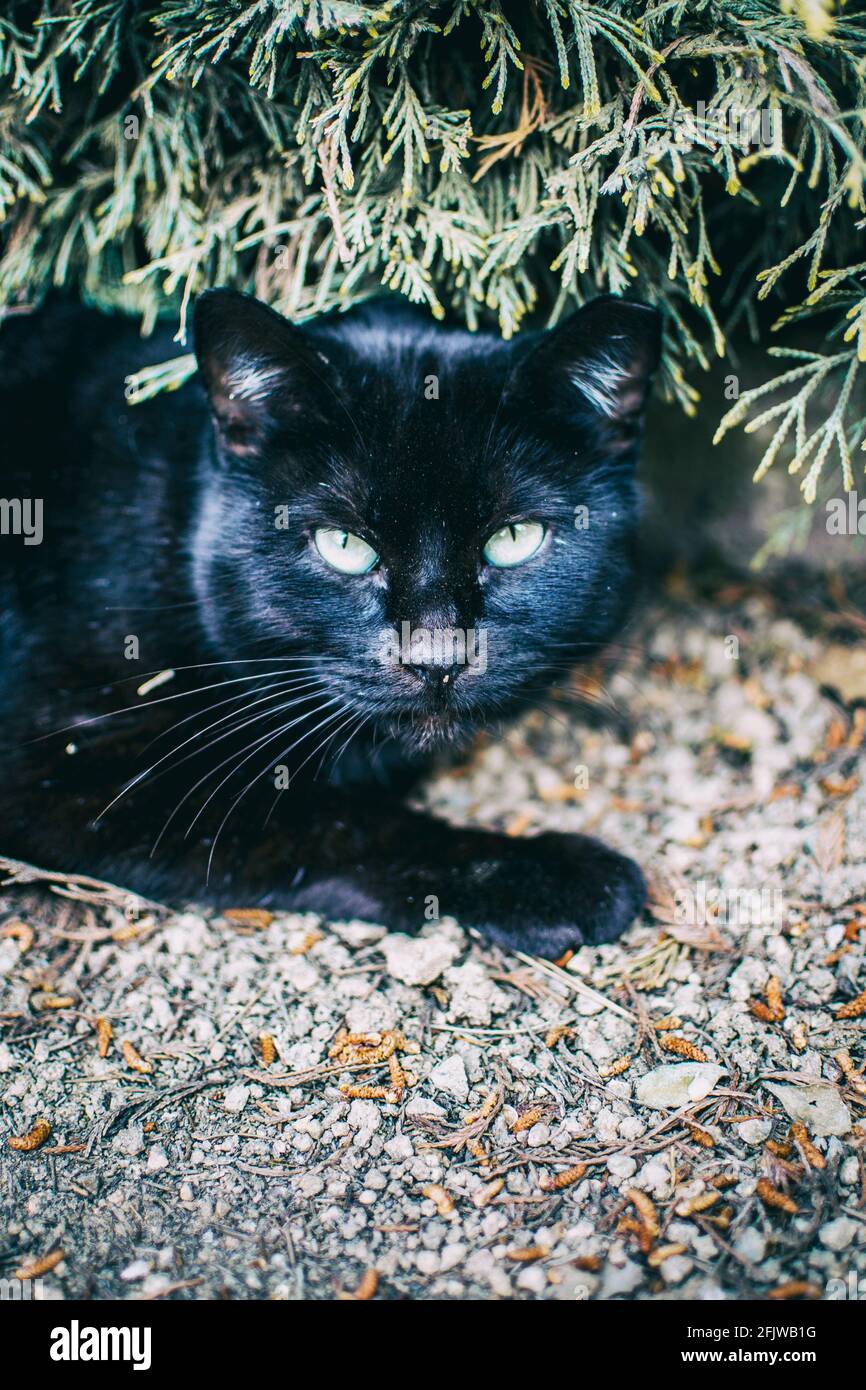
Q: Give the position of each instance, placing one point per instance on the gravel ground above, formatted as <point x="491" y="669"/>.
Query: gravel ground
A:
<point x="722" y="752"/>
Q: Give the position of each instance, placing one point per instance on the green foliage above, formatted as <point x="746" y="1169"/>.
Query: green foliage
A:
<point x="490" y="160"/>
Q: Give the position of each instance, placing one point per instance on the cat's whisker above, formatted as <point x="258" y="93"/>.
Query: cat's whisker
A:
<point x="253" y="748"/>
<point x="345" y="409"/>
<point x="551" y="714"/>
<point x="602" y="648"/>
<point x="223" y="661"/>
<point x="327" y="741"/>
<point x="310" y="691"/>
<point x="295" y="687"/>
<point x="287" y="684"/>
<point x="507" y="380"/>
<point x="284" y="752"/>
<point x="139" y="778"/>
<point x="279" y="709"/>
<point x="363" y="719"/>
<point x="149" y="704"/>
<point x="570" y="668"/>
<point x="576" y="699"/>
<point x="323" y="743"/>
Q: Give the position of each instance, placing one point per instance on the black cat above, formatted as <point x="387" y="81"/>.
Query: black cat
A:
<point x="345" y="546"/>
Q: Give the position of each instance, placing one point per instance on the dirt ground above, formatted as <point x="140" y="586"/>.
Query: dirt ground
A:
<point x="520" y="1140"/>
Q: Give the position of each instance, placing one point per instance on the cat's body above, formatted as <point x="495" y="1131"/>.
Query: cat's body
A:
<point x="171" y="543"/>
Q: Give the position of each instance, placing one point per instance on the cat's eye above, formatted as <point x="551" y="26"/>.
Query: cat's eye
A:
<point x="513" y="544"/>
<point x="344" y="552"/>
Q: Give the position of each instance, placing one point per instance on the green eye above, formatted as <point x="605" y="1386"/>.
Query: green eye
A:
<point x="344" y="552"/>
<point x="514" y="544"/>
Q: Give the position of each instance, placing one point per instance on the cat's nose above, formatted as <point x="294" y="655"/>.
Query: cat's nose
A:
<point x="434" y="676"/>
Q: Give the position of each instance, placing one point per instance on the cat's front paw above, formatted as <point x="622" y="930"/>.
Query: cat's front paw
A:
<point x="553" y="893"/>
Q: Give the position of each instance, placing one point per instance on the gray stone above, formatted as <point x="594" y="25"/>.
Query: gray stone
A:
<point x="449" y="1076"/>
<point x="417" y="960"/>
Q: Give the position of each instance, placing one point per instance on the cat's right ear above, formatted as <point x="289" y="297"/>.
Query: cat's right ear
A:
<point x="262" y="374"/>
<point x="596" y="368"/>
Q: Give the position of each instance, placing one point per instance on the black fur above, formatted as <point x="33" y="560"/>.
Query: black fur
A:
<point x="187" y="522"/>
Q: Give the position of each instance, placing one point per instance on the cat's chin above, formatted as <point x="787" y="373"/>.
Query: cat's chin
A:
<point x="429" y="733"/>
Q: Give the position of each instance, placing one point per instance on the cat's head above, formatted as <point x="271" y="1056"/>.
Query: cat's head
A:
<point x="441" y="521"/>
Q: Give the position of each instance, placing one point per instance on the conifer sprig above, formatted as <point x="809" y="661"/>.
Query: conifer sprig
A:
<point x="493" y="160"/>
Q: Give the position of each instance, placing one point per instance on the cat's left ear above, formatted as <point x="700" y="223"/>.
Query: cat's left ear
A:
<point x="261" y="373"/>
<point x="597" y="366"/>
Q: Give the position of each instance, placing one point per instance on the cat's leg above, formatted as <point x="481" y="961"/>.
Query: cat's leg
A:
<point x="374" y="859"/>
<point x="343" y="855"/>
<point x="542" y="895"/>
<point x="378" y="861"/>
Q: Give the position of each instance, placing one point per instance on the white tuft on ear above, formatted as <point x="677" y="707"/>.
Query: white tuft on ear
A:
<point x="262" y="374"/>
<point x="251" y="381"/>
<point x="601" y="381"/>
<point x="597" y="363"/>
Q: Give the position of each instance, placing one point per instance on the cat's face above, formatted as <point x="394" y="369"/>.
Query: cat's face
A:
<point x="442" y="521"/>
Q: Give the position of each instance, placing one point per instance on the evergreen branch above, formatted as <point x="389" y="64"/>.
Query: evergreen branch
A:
<point x="493" y="161"/>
